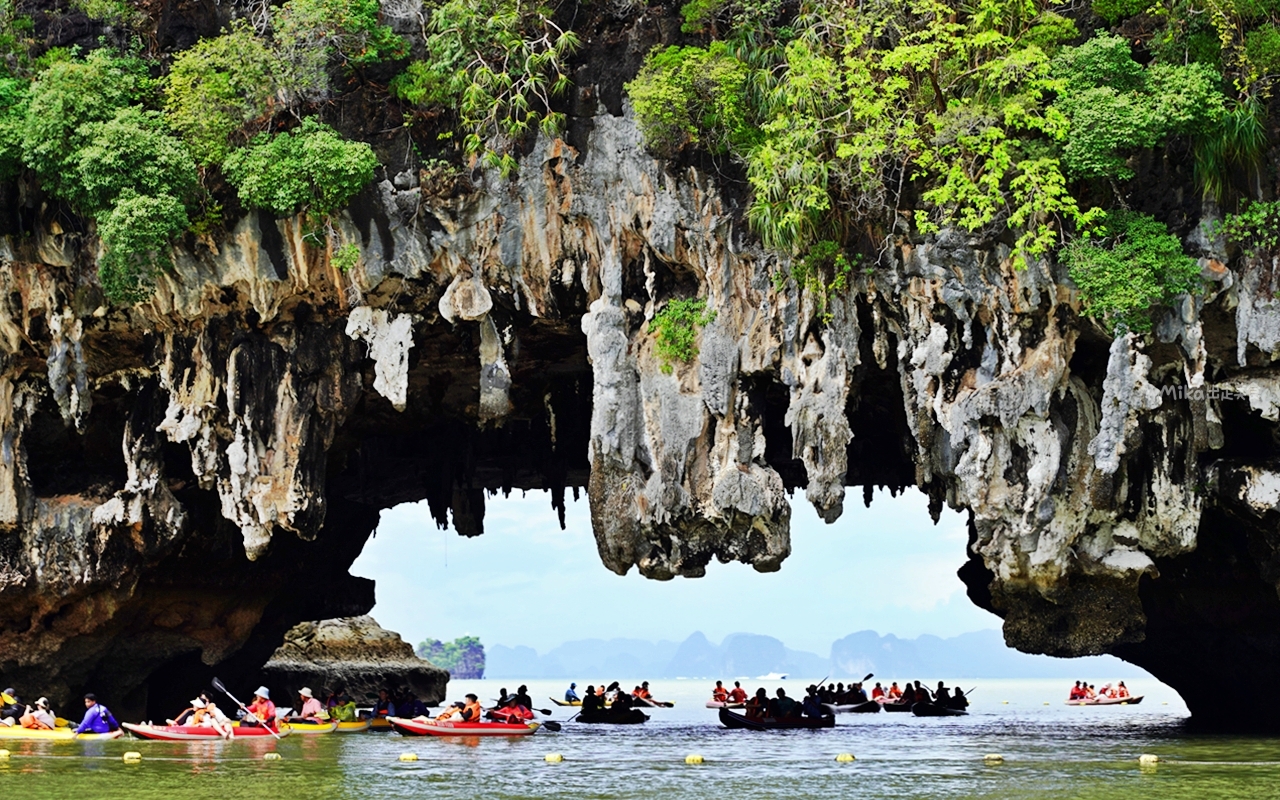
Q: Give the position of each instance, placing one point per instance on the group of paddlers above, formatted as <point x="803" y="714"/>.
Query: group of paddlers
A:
<point x="913" y="692"/>
<point x="511" y="709"/>
<point x="1086" y="691"/>
<point x="837" y="694"/>
<point x="15" y="713"/>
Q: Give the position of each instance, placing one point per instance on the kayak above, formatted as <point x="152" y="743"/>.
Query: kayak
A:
<point x="869" y="707"/>
<point x="1108" y="701"/>
<point x="723" y="704"/>
<point x="380" y="724"/>
<point x="897" y="707"/>
<point x="185" y="733"/>
<point x="653" y="703"/>
<point x="55" y="735"/>
<point x="632" y="716"/>
<point x="309" y="728"/>
<point x="354" y="726"/>
<point x="430" y="727"/>
<point x="935" y="710"/>
<point x="566" y="702"/>
<point x="736" y="721"/>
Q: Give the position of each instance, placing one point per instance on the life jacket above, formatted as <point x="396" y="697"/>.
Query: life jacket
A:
<point x="472" y="712"/>
<point x="643" y="693"/>
<point x="719" y="694"/>
<point x="877" y="693"/>
<point x="30" y="721"/>
<point x="1123" y="692"/>
<point x="737" y="695"/>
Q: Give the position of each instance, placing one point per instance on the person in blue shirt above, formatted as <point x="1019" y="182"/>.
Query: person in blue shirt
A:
<point x="97" y="719"/>
<point x="570" y="696"/>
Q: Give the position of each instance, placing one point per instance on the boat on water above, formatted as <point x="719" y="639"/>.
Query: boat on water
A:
<point x="724" y="704"/>
<point x="773" y="676"/>
<point x="55" y="735"/>
<point x="869" y="707"/>
<point x="431" y="727"/>
<point x="354" y="726"/>
<point x="572" y="703"/>
<point x="186" y="733"/>
<point x="935" y="710"/>
<point x="1108" y="701"/>
<point x="309" y="728"/>
<point x="901" y="708"/>
<point x="632" y="716"/>
<point x="641" y="701"/>
<point x="380" y="724"/>
<point x="736" y="721"/>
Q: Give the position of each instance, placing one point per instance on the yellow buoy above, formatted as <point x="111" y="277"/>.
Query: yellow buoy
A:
<point x="4" y="754"/>
<point x="845" y="758"/>
<point x="408" y="756"/>
<point x="271" y="757"/>
<point x="1004" y="702"/>
<point x="131" y="757"/>
<point x="553" y="758"/>
<point x="1148" y="758"/>
<point x="993" y="758"/>
<point x="693" y="758"/>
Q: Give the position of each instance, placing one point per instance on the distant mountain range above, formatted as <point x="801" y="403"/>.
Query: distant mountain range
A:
<point x="981" y="654"/>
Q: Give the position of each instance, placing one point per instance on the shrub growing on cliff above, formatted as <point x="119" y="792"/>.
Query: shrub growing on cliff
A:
<point x="1255" y="229"/>
<point x="135" y="237"/>
<point x="499" y="63"/>
<point x="218" y="86"/>
<point x="692" y="95"/>
<point x="310" y="34"/>
<point x="676" y="326"/>
<point x="309" y="169"/>
<point x="1132" y="265"/>
<point x="131" y="152"/>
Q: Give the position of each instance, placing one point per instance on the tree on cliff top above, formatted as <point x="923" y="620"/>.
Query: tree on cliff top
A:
<point x="463" y="657"/>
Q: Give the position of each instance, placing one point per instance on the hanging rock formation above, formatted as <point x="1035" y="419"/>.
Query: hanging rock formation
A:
<point x="178" y="477"/>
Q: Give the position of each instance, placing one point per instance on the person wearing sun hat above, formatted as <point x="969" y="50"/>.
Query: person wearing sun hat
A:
<point x="261" y="711"/>
<point x="310" y="711"/>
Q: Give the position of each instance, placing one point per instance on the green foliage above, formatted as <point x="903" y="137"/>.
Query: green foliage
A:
<point x="17" y="40"/>
<point x="677" y="327"/>
<point x="1115" y="10"/>
<point x="113" y="12"/>
<point x="825" y="258"/>
<point x="135" y="237"/>
<point x="1132" y="265"/>
<point x="736" y="14"/>
<point x="218" y="86"/>
<point x="1115" y="107"/>
<point x="499" y="63"/>
<point x="310" y="169"/>
<point x="13" y="114"/>
<point x="1238" y="140"/>
<point x="692" y="95"/>
<point x="131" y="152"/>
<point x="463" y="657"/>
<point x="346" y="257"/>
<point x="64" y="101"/>
<point x="1263" y="49"/>
<point x="348" y="29"/>
<point x="1256" y="229"/>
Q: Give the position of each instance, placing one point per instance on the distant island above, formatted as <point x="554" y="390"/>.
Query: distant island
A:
<point x="463" y="657"/>
<point x="980" y="654"/>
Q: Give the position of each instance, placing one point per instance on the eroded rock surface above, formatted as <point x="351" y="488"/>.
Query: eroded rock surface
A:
<point x="355" y="654"/>
<point x="184" y="480"/>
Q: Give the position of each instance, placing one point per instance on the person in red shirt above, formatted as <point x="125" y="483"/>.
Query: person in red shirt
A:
<point x="878" y="692"/>
<point x="261" y="711"/>
<point x="737" y="694"/>
<point x="719" y="694"/>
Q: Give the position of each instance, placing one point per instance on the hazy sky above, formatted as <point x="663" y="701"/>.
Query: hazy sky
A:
<point x="526" y="582"/>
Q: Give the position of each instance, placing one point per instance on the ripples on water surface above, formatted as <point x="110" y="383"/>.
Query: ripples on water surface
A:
<point x="1050" y="751"/>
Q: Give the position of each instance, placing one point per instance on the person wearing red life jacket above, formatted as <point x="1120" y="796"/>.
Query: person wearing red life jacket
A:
<point x="719" y="694"/>
<point x="737" y="694"/>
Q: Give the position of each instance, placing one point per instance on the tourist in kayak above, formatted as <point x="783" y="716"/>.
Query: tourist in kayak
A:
<point x="958" y="701"/>
<point x="895" y="694"/>
<point x="737" y="694"/>
<point x="261" y="712"/>
<point x="758" y="706"/>
<point x="309" y="709"/>
<point x="878" y="692"/>
<point x="97" y="718"/>
<point x="39" y="718"/>
<point x="943" y="695"/>
<point x="642" y="692"/>
<point x="452" y="713"/>
<point x="570" y="696"/>
<point x="522" y="698"/>
<point x="592" y="702"/>
<point x="469" y="711"/>
<point x="783" y="707"/>
<point x="1123" y="691"/>
<point x="384" y="707"/>
<point x="720" y="694"/>
<point x="11" y="708"/>
<point x="1075" y="693"/>
<point x="344" y="709"/>
<point x="812" y="706"/>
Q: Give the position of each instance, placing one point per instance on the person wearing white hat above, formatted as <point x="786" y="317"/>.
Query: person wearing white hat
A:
<point x="261" y="710"/>
<point x="40" y="717"/>
<point x="311" y="712"/>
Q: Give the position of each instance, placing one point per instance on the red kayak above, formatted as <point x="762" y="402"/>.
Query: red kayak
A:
<point x="1108" y="701"/>
<point x="186" y="733"/>
<point x="430" y="727"/>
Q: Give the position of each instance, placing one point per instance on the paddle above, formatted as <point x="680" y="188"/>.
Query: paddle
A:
<point x="552" y="725"/>
<point x="217" y="684"/>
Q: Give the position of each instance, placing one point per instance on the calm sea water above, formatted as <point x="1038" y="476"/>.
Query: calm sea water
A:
<point x="1050" y="751"/>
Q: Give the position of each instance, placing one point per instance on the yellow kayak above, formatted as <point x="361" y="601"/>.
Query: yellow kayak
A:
<point x="379" y="724"/>
<point x="309" y="729"/>
<point x="55" y="735"/>
<point x="353" y="727"/>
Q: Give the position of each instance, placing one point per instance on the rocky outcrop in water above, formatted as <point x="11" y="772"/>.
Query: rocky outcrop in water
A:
<point x="184" y="480"/>
<point x="354" y="654"/>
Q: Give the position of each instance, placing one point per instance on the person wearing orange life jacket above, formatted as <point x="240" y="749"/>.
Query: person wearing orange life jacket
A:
<point x="261" y="711"/>
<point x="452" y="713"/>
<point x="878" y="692"/>
<point x="1123" y="691"/>
<point x="40" y="718"/>
<point x="895" y="694"/>
<point x="737" y="694"/>
<point x="719" y="694"/>
<point x="642" y="692"/>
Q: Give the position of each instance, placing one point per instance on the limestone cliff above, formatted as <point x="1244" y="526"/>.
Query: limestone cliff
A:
<point x="183" y="480"/>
